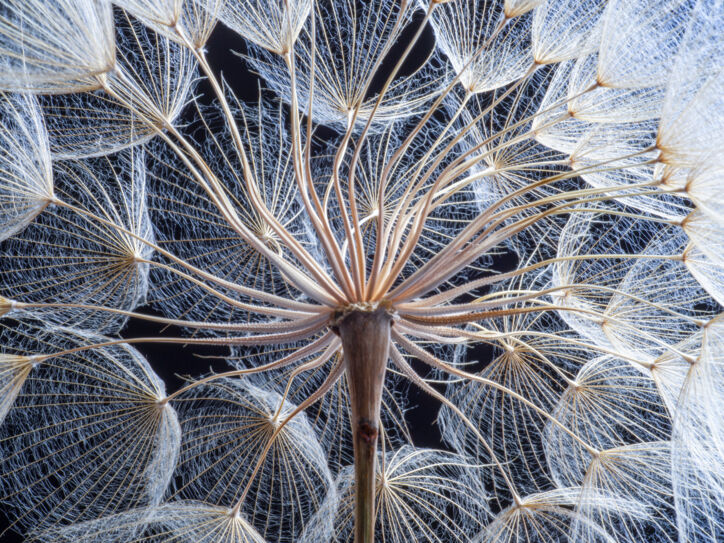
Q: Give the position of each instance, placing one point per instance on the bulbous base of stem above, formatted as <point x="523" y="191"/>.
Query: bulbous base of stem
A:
<point x="366" y="342"/>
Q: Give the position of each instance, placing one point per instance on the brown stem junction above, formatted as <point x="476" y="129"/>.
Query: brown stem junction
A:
<point x="365" y="334"/>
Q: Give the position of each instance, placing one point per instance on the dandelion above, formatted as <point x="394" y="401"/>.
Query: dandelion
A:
<point x="524" y="222"/>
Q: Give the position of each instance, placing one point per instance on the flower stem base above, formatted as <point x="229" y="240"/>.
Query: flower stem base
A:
<point x="366" y="342"/>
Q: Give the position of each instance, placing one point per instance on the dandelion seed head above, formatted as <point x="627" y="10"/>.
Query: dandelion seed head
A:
<point x="448" y="271"/>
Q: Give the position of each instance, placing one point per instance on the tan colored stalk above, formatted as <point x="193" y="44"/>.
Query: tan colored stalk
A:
<point x="335" y="256"/>
<point x="357" y="239"/>
<point x="259" y="204"/>
<point x="383" y="248"/>
<point x="216" y="191"/>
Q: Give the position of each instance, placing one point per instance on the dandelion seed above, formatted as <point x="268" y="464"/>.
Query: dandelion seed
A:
<point x="55" y="46"/>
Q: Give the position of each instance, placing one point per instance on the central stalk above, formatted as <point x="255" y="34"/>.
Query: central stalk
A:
<point x="365" y="338"/>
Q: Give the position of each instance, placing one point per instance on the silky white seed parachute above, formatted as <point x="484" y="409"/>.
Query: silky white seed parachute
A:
<point x="26" y="177"/>
<point x="153" y="74"/>
<point x="55" y="47"/>
<point x="100" y="441"/>
<point x="90" y="248"/>
<point x="232" y="455"/>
